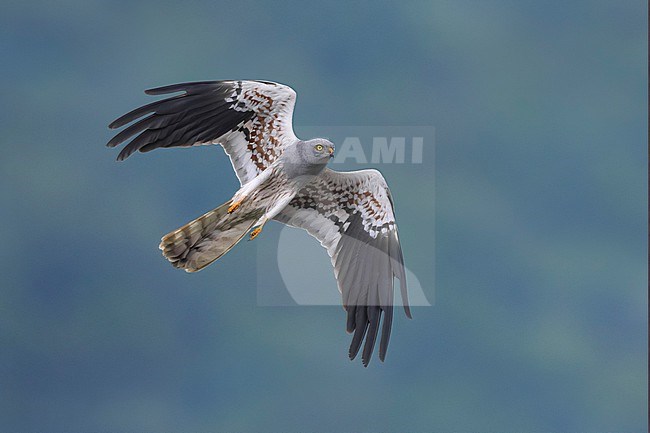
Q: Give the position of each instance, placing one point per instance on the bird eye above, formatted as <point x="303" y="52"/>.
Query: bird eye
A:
<point x="319" y="147"/>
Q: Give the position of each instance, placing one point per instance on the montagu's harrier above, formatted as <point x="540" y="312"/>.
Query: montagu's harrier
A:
<point x="282" y="178"/>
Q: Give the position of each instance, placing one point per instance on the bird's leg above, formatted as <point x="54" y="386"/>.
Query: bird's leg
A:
<point x="248" y="189"/>
<point x="238" y="199"/>
<point x="234" y="206"/>
<point x="257" y="230"/>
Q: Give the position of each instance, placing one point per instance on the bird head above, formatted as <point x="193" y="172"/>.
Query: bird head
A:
<point x="321" y="151"/>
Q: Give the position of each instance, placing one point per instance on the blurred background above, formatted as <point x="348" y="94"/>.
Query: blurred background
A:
<point x="540" y="187"/>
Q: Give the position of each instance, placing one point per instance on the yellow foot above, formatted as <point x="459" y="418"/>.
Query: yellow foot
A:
<point x="256" y="231"/>
<point x="234" y="207"/>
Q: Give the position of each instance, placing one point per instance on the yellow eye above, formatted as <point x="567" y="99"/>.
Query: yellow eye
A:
<point x="319" y="147"/>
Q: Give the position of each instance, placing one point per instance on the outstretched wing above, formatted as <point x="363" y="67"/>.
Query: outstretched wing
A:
<point x="352" y="216"/>
<point x="250" y="119"/>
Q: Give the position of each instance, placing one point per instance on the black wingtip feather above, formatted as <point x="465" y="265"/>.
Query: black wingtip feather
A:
<point x="182" y="87"/>
<point x="385" y="332"/>
<point x="374" y="316"/>
<point x="122" y="156"/>
<point x="361" y="320"/>
<point x="163" y="90"/>
<point x="350" y="322"/>
<point x="139" y="112"/>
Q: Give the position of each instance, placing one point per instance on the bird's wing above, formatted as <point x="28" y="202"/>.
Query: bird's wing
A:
<point x="250" y="119"/>
<point x="352" y="216"/>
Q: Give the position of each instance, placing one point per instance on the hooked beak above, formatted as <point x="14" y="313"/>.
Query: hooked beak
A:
<point x="331" y="149"/>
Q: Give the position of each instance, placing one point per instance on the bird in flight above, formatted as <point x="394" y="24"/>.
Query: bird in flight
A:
<point x="284" y="179"/>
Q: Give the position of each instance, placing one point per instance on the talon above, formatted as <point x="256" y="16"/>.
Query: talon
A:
<point x="234" y="206"/>
<point x="256" y="231"/>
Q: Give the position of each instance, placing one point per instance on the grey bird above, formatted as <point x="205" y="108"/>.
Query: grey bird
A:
<point x="282" y="178"/>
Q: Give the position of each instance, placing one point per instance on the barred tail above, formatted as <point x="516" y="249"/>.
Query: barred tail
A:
<point x="202" y="241"/>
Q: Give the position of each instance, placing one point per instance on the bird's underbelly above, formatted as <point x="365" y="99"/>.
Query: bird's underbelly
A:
<point x="273" y="195"/>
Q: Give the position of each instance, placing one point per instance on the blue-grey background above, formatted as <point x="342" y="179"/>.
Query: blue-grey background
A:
<point x="539" y="321"/>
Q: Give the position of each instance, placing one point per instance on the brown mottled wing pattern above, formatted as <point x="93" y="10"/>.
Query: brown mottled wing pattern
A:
<point x="250" y="119"/>
<point x="352" y="216"/>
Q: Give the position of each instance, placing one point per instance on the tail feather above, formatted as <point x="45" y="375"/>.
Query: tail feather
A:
<point x="202" y="241"/>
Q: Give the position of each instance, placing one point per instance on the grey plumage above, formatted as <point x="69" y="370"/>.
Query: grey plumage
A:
<point x="347" y="213"/>
<point x="282" y="178"/>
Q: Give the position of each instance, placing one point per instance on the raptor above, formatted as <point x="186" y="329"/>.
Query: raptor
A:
<point x="282" y="178"/>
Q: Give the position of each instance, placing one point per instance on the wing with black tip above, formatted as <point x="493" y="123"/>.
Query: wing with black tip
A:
<point x="252" y="120"/>
<point x="352" y="216"/>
